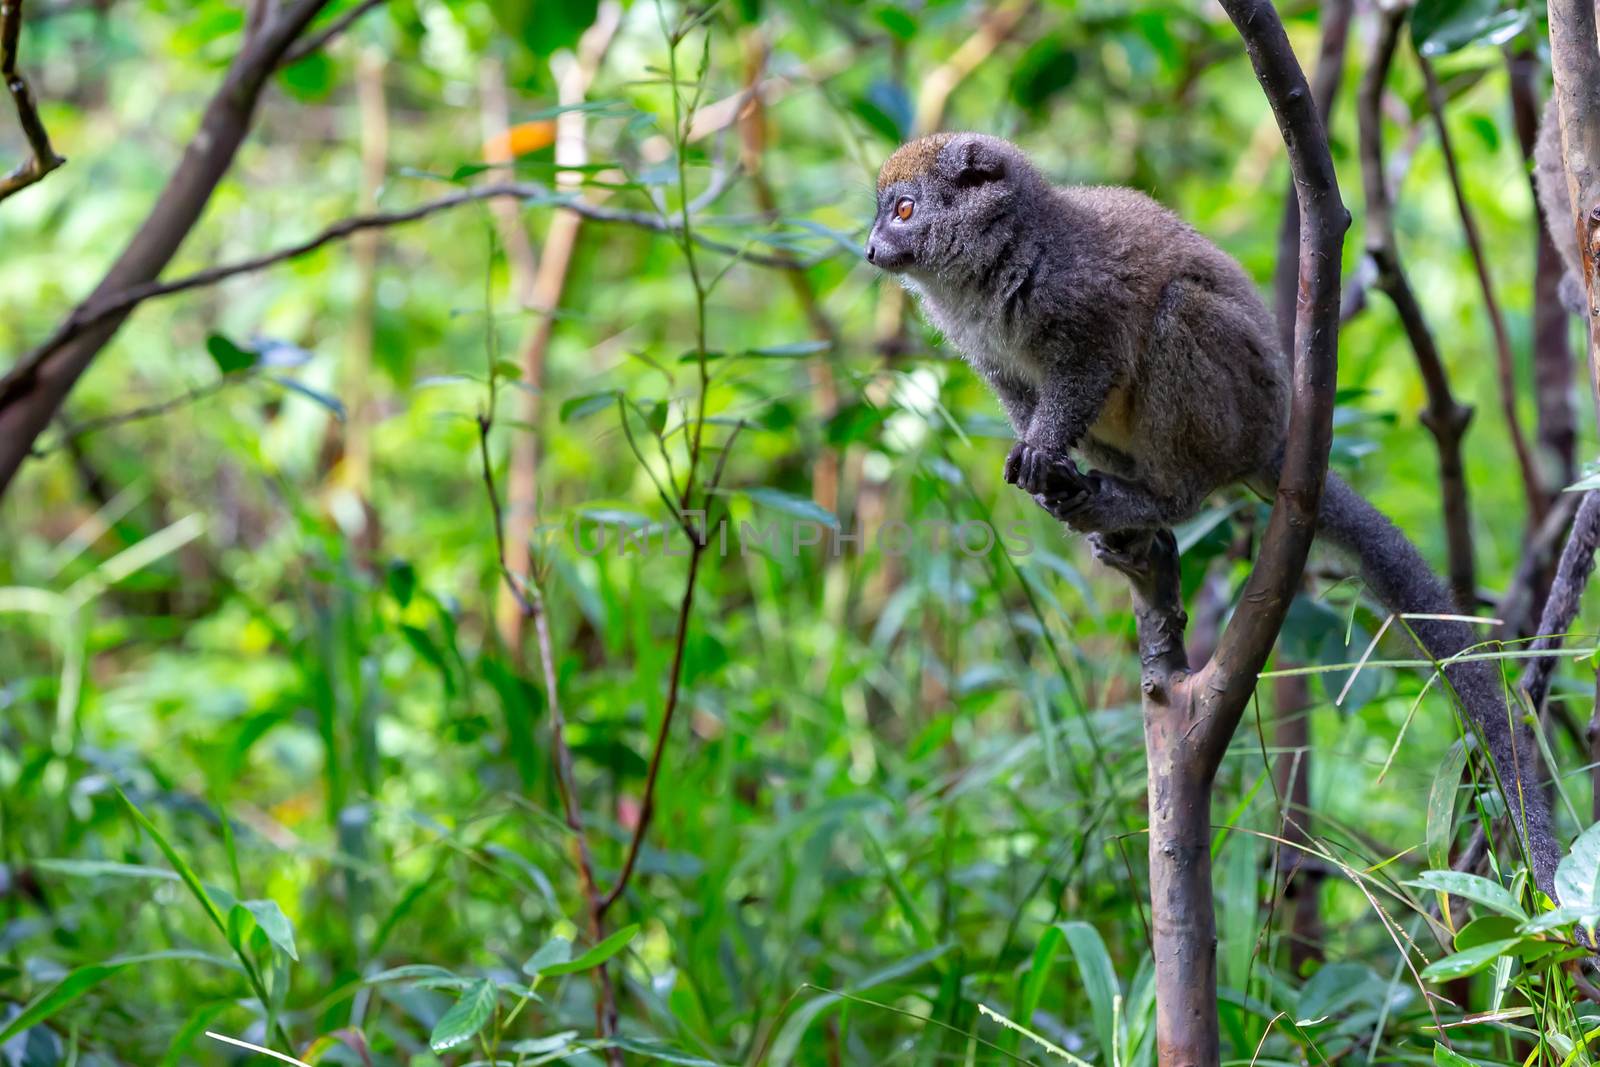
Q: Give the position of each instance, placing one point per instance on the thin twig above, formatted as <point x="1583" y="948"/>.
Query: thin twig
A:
<point x="44" y="158"/>
<point x="319" y="40"/>
<point x="697" y="546"/>
<point x="98" y="309"/>
<point x="1566" y="594"/>
<point x="1532" y="484"/>
<point x="1444" y="417"/>
<point x="531" y="601"/>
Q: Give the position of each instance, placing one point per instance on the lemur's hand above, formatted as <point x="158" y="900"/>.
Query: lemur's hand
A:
<point x="1040" y="473"/>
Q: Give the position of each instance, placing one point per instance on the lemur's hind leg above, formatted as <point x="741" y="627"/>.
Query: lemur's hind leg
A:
<point x="1093" y="502"/>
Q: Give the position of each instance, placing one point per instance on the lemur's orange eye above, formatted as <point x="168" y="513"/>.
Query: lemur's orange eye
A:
<point x="904" y="208"/>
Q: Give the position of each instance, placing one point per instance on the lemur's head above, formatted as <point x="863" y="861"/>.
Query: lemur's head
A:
<point x="939" y="194"/>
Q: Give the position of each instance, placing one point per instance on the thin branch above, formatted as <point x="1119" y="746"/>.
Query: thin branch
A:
<point x="1532" y="484"/>
<point x="1190" y="718"/>
<point x="531" y="600"/>
<point x="1324" y="87"/>
<point x="1566" y="594"/>
<point x="1223" y="686"/>
<point x="697" y="547"/>
<point x="320" y="40"/>
<point x="1444" y="417"/>
<point x="103" y="306"/>
<point x="33" y="392"/>
<point x="44" y="158"/>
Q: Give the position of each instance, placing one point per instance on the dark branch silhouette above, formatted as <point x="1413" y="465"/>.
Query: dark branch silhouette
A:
<point x="1444" y="416"/>
<point x="43" y="159"/>
<point x="32" y="393"/>
<point x="1190" y="718"/>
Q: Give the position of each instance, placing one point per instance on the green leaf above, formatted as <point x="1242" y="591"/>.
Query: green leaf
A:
<point x="65" y="992"/>
<point x="190" y="879"/>
<point x="1442" y="26"/>
<point x="104" y="869"/>
<point x="793" y="350"/>
<point x="1443" y="1057"/>
<point x="401" y="577"/>
<point x="1578" y="874"/>
<point x="581" y="407"/>
<point x="229" y="357"/>
<point x="899" y="24"/>
<point x="1442" y="804"/>
<point x="556" y="951"/>
<point x="274" y="923"/>
<point x="1471" y="887"/>
<point x="797" y="506"/>
<point x="544" y="27"/>
<point x="466" y="1016"/>
<point x="506" y="368"/>
<point x="595" y="956"/>
<point x="787" y="1043"/>
<point x="1471" y="961"/>
<point x="1484" y="930"/>
<point x="80" y="981"/>
<point x="1044" y="69"/>
<point x="1099" y="980"/>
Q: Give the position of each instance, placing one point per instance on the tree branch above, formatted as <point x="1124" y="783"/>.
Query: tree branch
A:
<point x="33" y="391"/>
<point x="1532" y="484"/>
<point x="44" y="158"/>
<point x="1566" y="594"/>
<point x="108" y="305"/>
<point x="1444" y="417"/>
<point x="320" y="40"/>
<point x="1190" y="718"/>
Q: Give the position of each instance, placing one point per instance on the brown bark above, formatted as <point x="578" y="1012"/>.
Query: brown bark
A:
<point x="1190" y="718"/>
<point x="43" y="158"/>
<point x="1444" y="417"/>
<point x="33" y="391"/>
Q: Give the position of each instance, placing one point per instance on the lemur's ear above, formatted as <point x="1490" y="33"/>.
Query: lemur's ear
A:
<point x="973" y="161"/>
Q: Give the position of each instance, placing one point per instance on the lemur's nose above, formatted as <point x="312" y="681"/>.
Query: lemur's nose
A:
<point x="872" y="252"/>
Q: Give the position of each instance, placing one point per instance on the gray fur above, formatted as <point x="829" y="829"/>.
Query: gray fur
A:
<point x="1109" y="327"/>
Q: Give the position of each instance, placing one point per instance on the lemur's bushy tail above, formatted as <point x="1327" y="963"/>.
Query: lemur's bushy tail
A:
<point x="1401" y="579"/>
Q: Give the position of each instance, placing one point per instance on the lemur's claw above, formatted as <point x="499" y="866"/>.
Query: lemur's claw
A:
<point x="1037" y="472"/>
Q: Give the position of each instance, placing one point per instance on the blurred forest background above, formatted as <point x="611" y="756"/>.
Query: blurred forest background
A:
<point x="293" y="751"/>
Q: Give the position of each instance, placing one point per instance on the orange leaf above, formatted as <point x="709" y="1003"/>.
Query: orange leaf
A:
<point x="519" y="140"/>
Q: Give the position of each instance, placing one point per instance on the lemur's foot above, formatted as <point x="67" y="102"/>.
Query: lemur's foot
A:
<point x="1054" y="482"/>
<point x="1127" y="551"/>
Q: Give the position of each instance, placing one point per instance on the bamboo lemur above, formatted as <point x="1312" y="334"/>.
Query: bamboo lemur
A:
<point x="1109" y="327"/>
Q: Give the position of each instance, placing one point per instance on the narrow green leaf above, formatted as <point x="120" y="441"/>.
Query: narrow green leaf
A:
<point x="790" y="504"/>
<point x="581" y="407"/>
<point x="1099" y="980"/>
<point x="595" y="956"/>
<point x="466" y="1016"/>
<point x="52" y="1000"/>
<point x="557" y="950"/>
<point x="190" y="879"/>
<point x="1442" y="804"/>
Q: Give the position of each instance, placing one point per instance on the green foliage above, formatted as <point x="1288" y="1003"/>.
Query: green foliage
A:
<point x="272" y="767"/>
